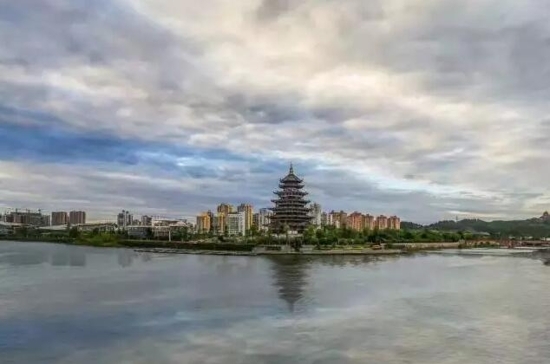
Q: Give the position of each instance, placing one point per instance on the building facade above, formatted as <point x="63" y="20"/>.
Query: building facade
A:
<point x="59" y="218"/>
<point x="316" y="214"/>
<point x="236" y="224"/>
<point x="356" y="221"/>
<point x="324" y="219"/>
<point x="261" y="219"/>
<point x="124" y="219"/>
<point x="394" y="223"/>
<point x="225" y="208"/>
<point x="77" y="217"/>
<point x="369" y="222"/>
<point x="101" y="227"/>
<point x="220" y="224"/>
<point x="381" y="222"/>
<point x="247" y="209"/>
<point x="27" y="217"/>
<point x="146" y="220"/>
<point x="204" y="224"/>
<point x="338" y="219"/>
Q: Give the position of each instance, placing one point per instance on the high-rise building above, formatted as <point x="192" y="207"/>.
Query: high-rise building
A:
<point x="204" y="223"/>
<point x="77" y="218"/>
<point x="247" y="209"/>
<point x="261" y="219"/>
<point x="338" y="219"/>
<point x="59" y="218"/>
<point x="225" y="208"/>
<point x="382" y="222"/>
<point x="212" y="215"/>
<point x="315" y="214"/>
<point x="256" y="220"/>
<point x="146" y="220"/>
<point x="369" y="222"/>
<point x="220" y="225"/>
<point x="330" y="219"/>
<point x="236" y="222"/>
<point x="27" y="217"/>
<point x="124" y="219"/>
<point x="324" y="219"/>
<point x="394" y="223"/>
<point x="290" y="209"/>
<point x="356" y="221"/>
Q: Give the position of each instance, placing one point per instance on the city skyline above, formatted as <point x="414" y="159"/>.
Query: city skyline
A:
<point x="427" y="110"/>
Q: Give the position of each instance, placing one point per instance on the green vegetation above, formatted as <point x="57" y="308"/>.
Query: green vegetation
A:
<point x="331" y="236"/>
<point x="535" y="228"/>
<point x="190" y="246"/>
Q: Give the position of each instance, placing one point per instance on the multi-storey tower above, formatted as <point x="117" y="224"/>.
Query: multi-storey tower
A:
<point x="290" y="211"/>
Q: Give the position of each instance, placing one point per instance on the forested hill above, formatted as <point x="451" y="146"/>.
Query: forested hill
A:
<point x="536" y="227"/>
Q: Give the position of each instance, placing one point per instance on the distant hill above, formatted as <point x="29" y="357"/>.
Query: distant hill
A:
<point x="406" y="225"/>
<point x="535" y="227"/>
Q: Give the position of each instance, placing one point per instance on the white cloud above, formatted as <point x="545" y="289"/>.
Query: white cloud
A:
<point x="450" y="93"/>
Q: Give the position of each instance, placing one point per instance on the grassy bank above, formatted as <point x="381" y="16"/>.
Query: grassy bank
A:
<point x="140" y="244"/>
<point x="115" y="241"/>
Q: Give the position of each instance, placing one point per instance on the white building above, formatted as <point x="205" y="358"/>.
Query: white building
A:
<point x="101" y="227"/>
<point x="236" y="224"/>
<point x="315" y="213"/>
<point x="261" y="219"/>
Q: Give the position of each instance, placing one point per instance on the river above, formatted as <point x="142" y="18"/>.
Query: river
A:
<point x="65" y="304"/>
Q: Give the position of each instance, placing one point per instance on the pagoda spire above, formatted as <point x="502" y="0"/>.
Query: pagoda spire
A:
<point x="291" y="170"/>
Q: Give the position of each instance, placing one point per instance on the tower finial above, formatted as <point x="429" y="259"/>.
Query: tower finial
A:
<point x="291" y="171"/>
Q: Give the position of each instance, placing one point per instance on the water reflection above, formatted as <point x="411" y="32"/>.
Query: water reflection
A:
<point x="23" y="258"/>
<point x="125" y="258"/>
<point x="33" y="254"/>
<point x="290" y="275"/>
<point x="58" y="255"/>
<point x="341" y="309"/>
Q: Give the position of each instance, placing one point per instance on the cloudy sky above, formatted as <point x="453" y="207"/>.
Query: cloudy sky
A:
<point x="427" y="109"/>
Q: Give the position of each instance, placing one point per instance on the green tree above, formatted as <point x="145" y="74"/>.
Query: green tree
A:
<point x="74" y="233"/>
<point x="309" y="234"/>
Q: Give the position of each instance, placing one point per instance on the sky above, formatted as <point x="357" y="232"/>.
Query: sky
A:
<point x="426" y="109"/>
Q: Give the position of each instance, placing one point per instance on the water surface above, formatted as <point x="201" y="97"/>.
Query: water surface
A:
<point x="63" y="304"/>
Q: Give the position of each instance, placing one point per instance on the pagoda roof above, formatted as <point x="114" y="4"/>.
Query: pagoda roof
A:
<point x="291" y="177"/>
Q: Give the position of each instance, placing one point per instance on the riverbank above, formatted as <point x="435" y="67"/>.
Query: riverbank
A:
<point x="262" y="253"/>
<point x="248" y="249"/>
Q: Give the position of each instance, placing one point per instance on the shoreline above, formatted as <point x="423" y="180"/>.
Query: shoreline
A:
<point x="271" y="253"/>
<point x="231" y="249"/>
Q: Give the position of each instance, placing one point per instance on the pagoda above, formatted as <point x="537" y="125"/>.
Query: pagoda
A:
<point x="290" y="212"/>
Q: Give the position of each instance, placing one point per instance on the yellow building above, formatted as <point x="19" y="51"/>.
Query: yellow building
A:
<point x="394" y="223"/>
<point x="382" y="222"/>
<point x="338" y="219"/>
<point x="221" y="223"/>
<point x="369" y="222"/>
<point x="225" y="208"/>
<point x="204" y="223"/>
<point x="356" y="221"/>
